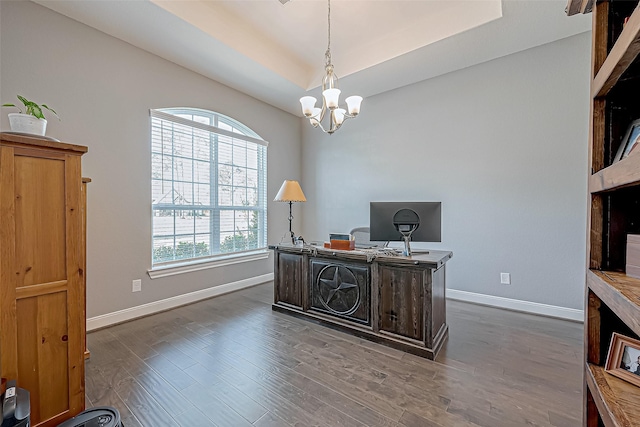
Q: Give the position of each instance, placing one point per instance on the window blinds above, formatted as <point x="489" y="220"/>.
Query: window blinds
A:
<point x="208" y="186"/>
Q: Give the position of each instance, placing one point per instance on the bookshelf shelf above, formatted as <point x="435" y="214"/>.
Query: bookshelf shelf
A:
<point x="617" y="400"/>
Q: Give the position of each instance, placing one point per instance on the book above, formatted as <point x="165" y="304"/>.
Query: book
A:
<point x="340" y="236"/>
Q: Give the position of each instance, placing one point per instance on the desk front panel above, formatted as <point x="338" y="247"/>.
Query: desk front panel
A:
<point x="341" y="289"/>
<point x="288" y="278"/>
<point x="402" y="301"/>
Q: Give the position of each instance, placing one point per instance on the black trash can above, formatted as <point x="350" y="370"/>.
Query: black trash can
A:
<point x="100" y="416"/>
<point x="16" y="406"/>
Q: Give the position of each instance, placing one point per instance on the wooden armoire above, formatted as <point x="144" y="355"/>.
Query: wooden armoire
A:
<point x="42" y="292"/>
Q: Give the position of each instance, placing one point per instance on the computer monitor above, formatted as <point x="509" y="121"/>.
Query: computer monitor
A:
<point x="426" y="221"/>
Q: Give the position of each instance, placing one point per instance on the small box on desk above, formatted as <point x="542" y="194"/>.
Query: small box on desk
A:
<point x="633" y="255"/>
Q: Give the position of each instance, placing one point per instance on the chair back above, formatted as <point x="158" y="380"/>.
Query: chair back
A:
<point x="361" y="236"/>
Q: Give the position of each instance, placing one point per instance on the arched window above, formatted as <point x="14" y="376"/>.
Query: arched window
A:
<point x="209" y="180"/>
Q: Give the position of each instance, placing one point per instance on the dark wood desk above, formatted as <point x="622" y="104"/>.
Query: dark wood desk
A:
<point x="394" y="300"/>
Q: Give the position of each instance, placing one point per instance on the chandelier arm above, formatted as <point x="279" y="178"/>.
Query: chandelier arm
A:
<point x="319" y="125"/>
<point x="331" y="129"/>
<point x="324" y="110"/>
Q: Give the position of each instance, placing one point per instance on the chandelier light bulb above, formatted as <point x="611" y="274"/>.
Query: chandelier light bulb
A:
<point x="338" y="114"/>
<point x="331" y="97"/>
<point x="353" y="104"/>
<point x="308" y="104"/>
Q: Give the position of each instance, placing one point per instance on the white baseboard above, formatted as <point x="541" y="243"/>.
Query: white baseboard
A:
<point x="120" y="316"/>
<point x="517" y="305"/>
<point x="108" y="319"/>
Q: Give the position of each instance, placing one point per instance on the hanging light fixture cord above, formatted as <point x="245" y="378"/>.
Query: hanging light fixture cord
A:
<point x="327" y="54"/>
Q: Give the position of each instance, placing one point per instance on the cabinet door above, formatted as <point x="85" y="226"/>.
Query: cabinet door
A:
<point x="288" y="283"/>
<point x="341" y="289"/>
<point x="401" y="301"/>
<point x="40" y="280"/>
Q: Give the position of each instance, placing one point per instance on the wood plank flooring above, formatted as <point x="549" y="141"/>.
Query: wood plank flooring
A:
<point x="232" y="362"/>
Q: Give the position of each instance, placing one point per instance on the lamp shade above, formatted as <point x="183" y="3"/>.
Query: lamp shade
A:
<point x="353" y="104"/>
<point x="290" y="192"/>
<point x="331" y="97"/>
<point x="308" y="103"/>
<point x="339" y="115"/>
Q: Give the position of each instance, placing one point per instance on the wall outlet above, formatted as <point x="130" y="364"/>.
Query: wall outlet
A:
<point x="505" y="278"/>
<point x="136" y="285"/>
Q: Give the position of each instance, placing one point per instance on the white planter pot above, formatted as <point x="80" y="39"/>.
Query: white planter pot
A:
<point x="27" y="123"/>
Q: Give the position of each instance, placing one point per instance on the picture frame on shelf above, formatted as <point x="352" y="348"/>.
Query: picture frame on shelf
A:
<point x="623" y="359"/>
<point x="630" y="143"/>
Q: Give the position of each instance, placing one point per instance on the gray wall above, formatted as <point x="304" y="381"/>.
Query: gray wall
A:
<point x="502" y="144"/>
<point x="103" y="89"/>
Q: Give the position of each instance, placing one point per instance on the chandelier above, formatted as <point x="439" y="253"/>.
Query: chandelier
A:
<point x="330" y="96"/>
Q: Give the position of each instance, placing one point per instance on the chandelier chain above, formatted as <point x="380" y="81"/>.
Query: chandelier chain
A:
<point x="327" y="54"/>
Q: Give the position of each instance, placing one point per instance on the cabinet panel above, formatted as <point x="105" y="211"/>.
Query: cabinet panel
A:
<point x="402" y="301"/>
<point x="40" y="220"/>
<point x="288" y="280"/>
<point x="44" y="356"/>
<point x="438" y="304"/>
<point x="341" y="290"/>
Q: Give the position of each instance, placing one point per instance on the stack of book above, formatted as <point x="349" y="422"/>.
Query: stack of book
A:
<point x="341" y="241"/>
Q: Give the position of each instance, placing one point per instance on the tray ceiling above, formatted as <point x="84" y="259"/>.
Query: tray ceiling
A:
<point x="275" y="51"/>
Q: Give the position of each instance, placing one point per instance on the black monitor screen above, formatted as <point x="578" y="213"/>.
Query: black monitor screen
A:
<point x="381" y="221"/>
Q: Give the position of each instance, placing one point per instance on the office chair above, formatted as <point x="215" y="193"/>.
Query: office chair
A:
<point x="361" y="236"/>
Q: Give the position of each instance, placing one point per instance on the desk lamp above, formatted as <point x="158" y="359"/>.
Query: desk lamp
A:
<point x="290" y="192"/>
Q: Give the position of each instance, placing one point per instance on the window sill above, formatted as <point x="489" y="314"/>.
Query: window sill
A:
<point x="189" y="267"/>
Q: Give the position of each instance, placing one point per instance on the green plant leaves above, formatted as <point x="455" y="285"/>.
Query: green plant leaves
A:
<point x="35" y="110"/>
<point x="12" y="105"/>
<point x="50" y="109"/>
<point x="31" y="108"/>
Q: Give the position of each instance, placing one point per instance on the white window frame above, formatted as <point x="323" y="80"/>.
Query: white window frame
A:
<point x="238" y="133"/>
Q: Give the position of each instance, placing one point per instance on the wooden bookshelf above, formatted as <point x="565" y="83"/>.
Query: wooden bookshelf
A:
<point x="616" y="400"/>
<point x="619" y="292"/>
<point x="612" y="300"/>
<point x="622" y="174"/>
<point x="622" y="55"/>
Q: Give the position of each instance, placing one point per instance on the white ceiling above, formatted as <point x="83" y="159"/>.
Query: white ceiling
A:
<point x="275" y="52"/>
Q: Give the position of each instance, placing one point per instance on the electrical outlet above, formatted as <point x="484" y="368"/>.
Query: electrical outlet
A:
<point x="136" y="285"/>
<point x="505" y="278"/>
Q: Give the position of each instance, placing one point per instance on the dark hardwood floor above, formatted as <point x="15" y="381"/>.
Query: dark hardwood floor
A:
<point x="231" y="361"/>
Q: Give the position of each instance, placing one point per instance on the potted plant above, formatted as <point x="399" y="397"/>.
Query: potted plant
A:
<point x="32" y="120"/>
